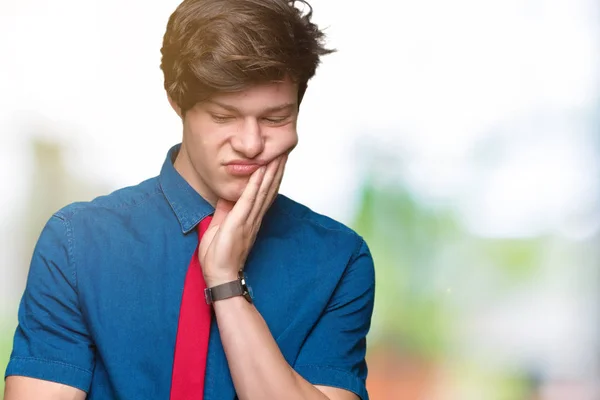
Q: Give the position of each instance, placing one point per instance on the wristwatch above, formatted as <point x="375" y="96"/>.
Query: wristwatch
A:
<point x="229" y="289"/>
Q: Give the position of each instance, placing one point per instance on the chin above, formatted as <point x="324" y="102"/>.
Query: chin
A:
<point x="232" y="192"/>
<point x="230" y="188"/>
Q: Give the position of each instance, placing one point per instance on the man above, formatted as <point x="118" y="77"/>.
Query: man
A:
<point x="143" y="294"/>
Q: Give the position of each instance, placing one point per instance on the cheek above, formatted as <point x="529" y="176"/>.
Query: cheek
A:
<point x="204" y="140"/>
<point x="284" y="141"/>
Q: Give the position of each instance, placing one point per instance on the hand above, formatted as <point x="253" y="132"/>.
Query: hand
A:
<point x="227" y="241"/>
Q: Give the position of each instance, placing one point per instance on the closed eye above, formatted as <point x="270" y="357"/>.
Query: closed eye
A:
<point x="221" y="119"/>
<point x="275" y="120"/>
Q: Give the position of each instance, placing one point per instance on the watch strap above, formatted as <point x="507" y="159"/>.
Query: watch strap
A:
<point x="224" y="291"/>
<point x="227" y="290"/>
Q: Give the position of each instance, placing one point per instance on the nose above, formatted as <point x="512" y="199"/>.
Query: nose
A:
<point x="248" y="141"/>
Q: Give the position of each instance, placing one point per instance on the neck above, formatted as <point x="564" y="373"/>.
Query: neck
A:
<point x="183" y="165"/>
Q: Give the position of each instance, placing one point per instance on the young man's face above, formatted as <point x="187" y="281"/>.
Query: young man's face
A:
<point x="229" y="136"/>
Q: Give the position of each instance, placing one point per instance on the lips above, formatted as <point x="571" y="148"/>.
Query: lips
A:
<point x="242" y="168"/>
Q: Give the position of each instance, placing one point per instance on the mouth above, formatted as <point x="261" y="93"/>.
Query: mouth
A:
<point x="242" y="168"/>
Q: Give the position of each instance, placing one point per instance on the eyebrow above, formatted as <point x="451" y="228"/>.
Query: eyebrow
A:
<point x="277" y="108"/>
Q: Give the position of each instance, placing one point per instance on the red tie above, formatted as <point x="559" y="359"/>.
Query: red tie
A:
<point x="191" y="347"/>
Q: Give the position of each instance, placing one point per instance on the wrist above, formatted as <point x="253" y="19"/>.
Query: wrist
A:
<point x="225" y="287"/>
<point x="215" y="279"/>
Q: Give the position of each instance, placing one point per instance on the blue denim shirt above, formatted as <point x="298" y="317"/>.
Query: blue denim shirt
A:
<point x="101" y="304"/>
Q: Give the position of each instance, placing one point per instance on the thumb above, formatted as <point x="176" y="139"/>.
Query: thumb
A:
<point x="222" y="209"/>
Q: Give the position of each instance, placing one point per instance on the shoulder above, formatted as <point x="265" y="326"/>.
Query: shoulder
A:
<point x="324" y="232"/>
<point x="92" y="226"/>
<point x="303" y="215"/>
<point x="121" y="200"/>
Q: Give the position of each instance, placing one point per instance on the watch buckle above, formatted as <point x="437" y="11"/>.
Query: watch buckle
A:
<point x="208" y="296"/>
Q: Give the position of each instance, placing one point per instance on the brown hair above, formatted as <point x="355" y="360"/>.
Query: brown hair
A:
<point x="226" y="45"/>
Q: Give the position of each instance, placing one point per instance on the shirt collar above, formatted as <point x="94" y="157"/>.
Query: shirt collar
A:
<point x="189" y="207"/>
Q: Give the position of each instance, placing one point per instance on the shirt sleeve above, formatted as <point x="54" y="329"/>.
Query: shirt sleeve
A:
<point x="51" y="340"/>
<point x="334" y="352"/>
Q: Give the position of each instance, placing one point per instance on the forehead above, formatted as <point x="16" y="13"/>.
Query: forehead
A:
<point x="258" y="98"/>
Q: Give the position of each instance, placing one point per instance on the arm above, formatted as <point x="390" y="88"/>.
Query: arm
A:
<point x="257" y="366"/>
<point x="258" y="369"/>
<point x="22" y="388"/>
<point x="52" y="357"/>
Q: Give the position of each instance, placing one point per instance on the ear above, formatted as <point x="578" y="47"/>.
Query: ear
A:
<point x="175" y="106"/>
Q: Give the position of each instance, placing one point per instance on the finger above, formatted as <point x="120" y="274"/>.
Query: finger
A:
<point x="271" y="189"/>
<point x="245" y="203"/>
<point x="274" y="189"/>
<point x="263" y="193"/>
